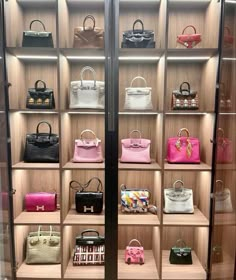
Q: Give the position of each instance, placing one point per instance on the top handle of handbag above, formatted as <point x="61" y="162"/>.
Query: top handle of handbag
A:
<point x="181" y="130"/>
<point x="80" y="187"/>
<point x="135" y="140"/>
<point x="221" y="184"/>
<point x="180" y="243"/>
<point x="184" y="89"/>
<point x="227" y="30"/>
<point x="50" y="128"/>
<point x="135" y="240"/>
<point x="194" y="29"/>
<point x="39" y="231"/>
<point x="89" y="17"/>
<point x="37" y="20"/>
<point x="89" y="230"/>
<point x="181" y="187"/>
<point x="87" y="131"/>
<point x="178" y="142"/>
<point x="138" y="78"/>
<point x="138" y="21"/>
<point x="36" y="85"/>
<point x="88" y="68"/>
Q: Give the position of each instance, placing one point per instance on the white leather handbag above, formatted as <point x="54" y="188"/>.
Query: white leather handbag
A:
<point x="178" y="199"/>
<point x="223" y="202"/>
<point x="87" y="94"/>
<point x="138" y="98"/>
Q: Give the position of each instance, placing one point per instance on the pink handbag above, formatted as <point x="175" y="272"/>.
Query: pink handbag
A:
<point x="135" y="149"/>
<point x="189" y="40"/>
<point x="134" y="254"/>
<point x="86" y="149"/>
<point x="40" y="202"/>
<point x="183" y="149"/>
<point x="224" y="150"/>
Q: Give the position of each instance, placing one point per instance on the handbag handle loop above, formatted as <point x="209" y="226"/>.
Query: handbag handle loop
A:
<point x="181" y="130"/>
<point x="181" y="184"/>
<point x="36" y="85"/>
<point x="85" y="131"/>
<point x="140" y="78"/>
<point x="135" y="131"/>
<point x="188" y="27"/>
<point x="37" y="20"/>
<point x="89" y="17"/>
<point x="186" y="89"/>
<point x="221" y="132"/>
<point x="50" y="128"/>
<point x="138" y="21"/>
<point x="189" y="145"/>
<point x="181" y="243"/>
<point x="221" y="185"/>
<point x="39" y="230"/>
<point x="88" y="68"/>
<point x="135" y="240"/>
<point x="228" y="30"/>
<point x="89" y="230"/>
<point x="81" y="187"/>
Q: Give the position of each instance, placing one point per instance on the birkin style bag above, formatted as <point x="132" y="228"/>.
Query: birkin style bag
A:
<point x="40" y="202"/>
<point x="223" y="201"/>
<point x="88" y="149"/>
<point x="183" y="149"/>
<point x="136" y="150"/>
<point x="224" y="150"/>
<point x="87" y="94"/>
<point x="189" y="40"/>
<point x="138" y="98"/>
<point x="134" y="254"/>
<point x="180" y="253"/>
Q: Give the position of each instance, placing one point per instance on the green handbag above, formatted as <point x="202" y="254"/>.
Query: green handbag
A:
<point x="180" y="254"/>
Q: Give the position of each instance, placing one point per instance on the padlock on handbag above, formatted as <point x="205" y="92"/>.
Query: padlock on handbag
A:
<point x="134" y="254"/>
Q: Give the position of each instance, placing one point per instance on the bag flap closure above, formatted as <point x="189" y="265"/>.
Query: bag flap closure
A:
<point x="42" y="138"/>
<point x="135" y="143"/>
<point x="87" y="142"/>
<point x="181" y="252"/>
<point x="90" y="240"/>
<point x="138" y="90"/>
<point x="185" y="93"/>
<point x="176" y="194"/>
<point x="40" y="94"/>
<point x="31" y="33"/>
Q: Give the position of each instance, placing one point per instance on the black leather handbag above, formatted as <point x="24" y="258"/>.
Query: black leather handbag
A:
<point x="32" y="38"/>
<point x="88" y="201"/>
<point x="138" y="38"/>
<point x="180" y="253"/>
<point x="40" y="97"/>
<point x="42" y="147"/>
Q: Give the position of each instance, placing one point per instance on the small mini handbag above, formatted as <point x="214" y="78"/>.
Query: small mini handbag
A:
<point x="189" y="40"/>
<point x="89" y="249"/>
<point x="87" y="94"/>
<point x="43" y="247"/>
<point x="138" y="98"/>
<point x="42" y="147"/>
<point x="184" y="98"/>
<point x="88" y="149"/>
<point x="136" y="150"/>
<point x="32" y="38"/>
<point x="224" y="148"/>
<point x="138" y="38"/>
<point x="40" y="202"/>
<point x="134" y="254"/>
<point x="183" y="149"/>
<point x="180" y="253"/>
<point x="88" y="37"/>
<point x="178" y="199"/>
<point x="217" y="254"/>
<point x="223" y="201"/>
<point x="40" y="97"/>
<point x="88" y="201"/>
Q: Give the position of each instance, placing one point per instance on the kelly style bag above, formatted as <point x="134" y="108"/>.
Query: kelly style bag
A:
<point x="138" y="98"/>
<point x="40" y="97"/>
<point x="88" y="201"/>
<point x="87" y="94"/>
<point x="134" y="254"/>
<point x="88" y="149"/>
<point x="183" y="149"/>
<point x="224" y="148"/>
<point x="189" y="40"/>
<point x="135" y="150"/>
<point x="42" y="147"/>
<point x="33" y="38"/>
<point x="223" y="200"/>
<point x="178" y="199"/>
<point x="41" y="202"/>
<point x="180" y="253"/>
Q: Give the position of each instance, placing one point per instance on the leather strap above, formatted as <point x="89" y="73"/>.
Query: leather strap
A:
<point x="89" y="230"/>
<point x="36" y="85"/>
<point x="50" y="128"/>
<point x="181" y="87"/>
<point x="138" y="21"/>
<point x="81" y="187"/>
<point x="136" y="78"/>
<point x="135" y="240"/>
<point x="89" y="17"/>
<point x="88" y="68"/>
<point x="194" y="29"/>
<point x="37" y="20"/>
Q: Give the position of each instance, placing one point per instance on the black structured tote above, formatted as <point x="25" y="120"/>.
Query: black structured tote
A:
<point x="32" y="38"/>
<point x="40" y="97"/>
<point x="42" y="147"/>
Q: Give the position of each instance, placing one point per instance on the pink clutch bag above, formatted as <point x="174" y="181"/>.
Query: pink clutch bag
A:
<point x="134" y="254"/>
<point x="183" y="149"/>
<point x="135" y="150"/>
<point x="88" y="150"/>
<point x="224" y="150"/>
<point x="41" y="202"/>
<point x="189" y="40"/>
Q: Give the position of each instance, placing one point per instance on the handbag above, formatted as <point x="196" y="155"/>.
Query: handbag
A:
<point x="134" y="254"/>
<point x="138" y="38"/>
<point x="184" y="98"/>
<point x="225" y="101"/>
<point x="228" y="38"/>
<point x="33" y="38"/>
<point x="40" y="97"/>
<point x="43" y="247"/>
<point x="88" y="201"/>
<point x="42" y="147"/>
<point x="138" y="98"/>
<point x="224" y="148"/>
<point x="180" y="254"/>
<point x="217" y="254"/>
<point x="183" y="149"/>
<point x="189" y="40"/>
<point x="88" y="149"/>
<point x="89" y="249"/>
<point x="223" y="201"/>
<point x="134" y="200"/>
<point x="40" y="202"/>
<point x="178" y="199"/>
<point x="88" y="37"/>
<point x="87" y="93"/>
<point x="135" y="150"/>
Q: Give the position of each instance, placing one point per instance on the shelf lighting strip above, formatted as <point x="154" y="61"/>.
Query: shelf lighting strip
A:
<point x="139" y="57"/>
<point x="190" y="113"/>
<point x="230" y="1"/>
<point x="229" y="58"/>
<point x="188" y="58"/>
<point x="71" y="57"/>
<point x="46" y="57"/>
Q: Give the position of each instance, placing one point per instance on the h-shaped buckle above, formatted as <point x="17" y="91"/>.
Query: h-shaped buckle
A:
<point x="88" y="208"/>
<point x="39" y="208"/>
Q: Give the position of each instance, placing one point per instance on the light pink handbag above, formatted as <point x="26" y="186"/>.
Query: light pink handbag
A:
<point x="183" y="149"/>
<point x="135" y="150"/>
<point x="134" y="254"/>
<point x="224" y="149"/>
<point x="88" y="149"/>
<point x="40" y="202"/>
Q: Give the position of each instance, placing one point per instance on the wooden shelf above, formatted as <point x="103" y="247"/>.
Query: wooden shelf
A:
<point x="188" y="3"/>
<point x="33" y="111"/>
<point x="181" y="272"/>
<point x="86" y="3"/>
<point x="74" y="218"/>
<point x="89" y="165"/>
<point x="26" y="52"/>
<point x="185" y="53"/>
<point x="139" y="166"/>
<point x="89" y="53"/>
<point x="147" y="55"/>
<point x="28" y="165"/>
<point x="225" y="219"/>
<point x="196" y="219"/>
<point x="147" y="271"/>
<point x="147" y="219"/>
<point x="26" y="218"/>
<point x="39" y="3"/>
<point x="187" y="167"/>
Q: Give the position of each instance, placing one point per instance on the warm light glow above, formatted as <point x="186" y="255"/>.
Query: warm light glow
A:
<point x="86" y="113"/>
<point x="230" y="1"/>
<point x="139" y="57"/>
<point x="46" y="57"/>
<point x="188" y="57"/>
<point x="185" y="113"/>
<point x="229" y="58"/>
<point x="85" y="57"/>
<point x="138" y="113"/>
<point x="37" y="112"/>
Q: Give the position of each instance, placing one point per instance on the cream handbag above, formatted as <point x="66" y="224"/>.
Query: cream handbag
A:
<point x="87" y="94"/>
<point x="178" y="199"/>
<point x="138" y="98"/>
<point x="223" y="202"/>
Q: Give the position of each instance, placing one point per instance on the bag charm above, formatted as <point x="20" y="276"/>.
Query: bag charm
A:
<point x="189" y="40"/>
<point x="134" y="254"/>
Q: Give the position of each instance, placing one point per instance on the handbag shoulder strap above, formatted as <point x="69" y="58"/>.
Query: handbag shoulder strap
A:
<point x="37" y="20"/>
<point x="135" y="240"/>
<point x="138" y="78"/>
<point x="77" y="186"/>
<point x="194" y="29"/>
<point x="50" y="128"/>
<point x="88" y="68"/>
<point x="89" y="17"/>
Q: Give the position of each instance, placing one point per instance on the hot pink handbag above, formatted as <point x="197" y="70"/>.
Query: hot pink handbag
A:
<point x="41" y="202"/>
<point x="183" y="149"/>
<point x="87" y="149"/>
<point x="134" y="254"/>
<point x="224" y="150"/>
<point x="135" y="149"/>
